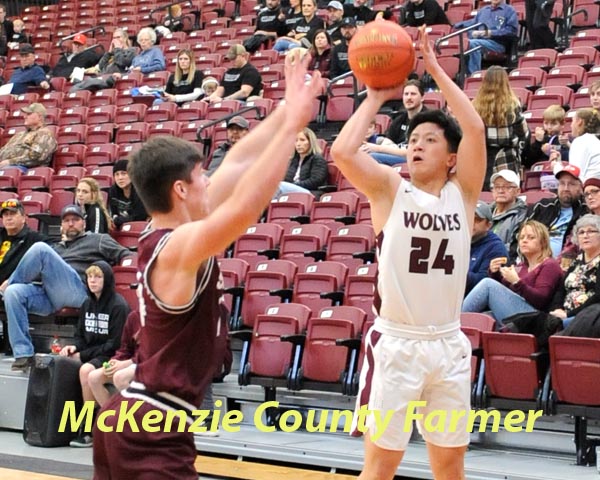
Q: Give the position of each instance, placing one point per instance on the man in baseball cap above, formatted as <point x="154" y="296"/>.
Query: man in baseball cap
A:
<point x="72" y="210"/>
<point x="28" y="74"/>
<point x="485" y="246"/>
<point x="32" y="147"/>
<point x="237" y="128"/>
<point x="508" y="210"/>
<point x="561" y="213"/>
<point x="80" y="57"/>
<point x="335" y="13"/>
<point x="339" y="54"/>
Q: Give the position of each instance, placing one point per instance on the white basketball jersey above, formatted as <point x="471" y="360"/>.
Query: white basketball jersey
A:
<point x="423" y="257"/>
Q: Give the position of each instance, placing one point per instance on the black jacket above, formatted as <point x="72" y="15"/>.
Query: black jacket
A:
<point x="101" y="320"/>
<point x="15" y="247"/>
<point x="85" y="59"/>
<point x="123" y="209"/>
<point x="313" y="172"/>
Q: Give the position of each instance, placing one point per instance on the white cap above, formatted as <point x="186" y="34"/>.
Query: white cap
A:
<point x="508" y="175"/>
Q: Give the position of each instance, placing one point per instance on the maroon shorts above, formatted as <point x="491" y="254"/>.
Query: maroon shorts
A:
<point x="141" y="455"/>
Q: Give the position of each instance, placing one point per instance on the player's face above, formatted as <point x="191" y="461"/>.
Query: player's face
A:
<point x="529" y="242"/>
<point x="428" y="154"/>
<point x="569" y="190"/>
<point x="197" y="198"/>
<point x="13" y="221"/>
<point x="83" y="193"/>
<point x="95" y="283"/>
<point x="412" y="98"/>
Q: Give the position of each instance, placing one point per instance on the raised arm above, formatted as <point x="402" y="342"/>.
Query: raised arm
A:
<point x="378" y="182"/>
<point x="471" y="158"/>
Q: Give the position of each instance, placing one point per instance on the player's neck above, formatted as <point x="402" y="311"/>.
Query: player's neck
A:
<point x="170" y="220"/>
<point x="432" y="186"/>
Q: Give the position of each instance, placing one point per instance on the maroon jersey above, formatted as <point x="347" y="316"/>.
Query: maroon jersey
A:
<point x="177" y="343"/>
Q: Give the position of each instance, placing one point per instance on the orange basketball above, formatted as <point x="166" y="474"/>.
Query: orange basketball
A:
<point x="381" y="54"/>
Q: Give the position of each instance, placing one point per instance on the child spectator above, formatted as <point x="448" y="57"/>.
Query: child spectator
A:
<point x="89" y="198"/>
<point x="123" y="201"/>
<point x="121" y="367"/>
<point x="585" y="147"/>
<point x="550" y="136"/>
<point x="98" y="334"/>
<point x="19" y="36"/>
<point x="595" y="94"/>
<point x="209" y="85"/>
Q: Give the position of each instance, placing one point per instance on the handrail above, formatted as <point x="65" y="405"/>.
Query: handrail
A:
<point x="98" y="28"/>
<point x="461" y="47"/>
<point x="168" y="8"/>
<point x="354" y="86"/>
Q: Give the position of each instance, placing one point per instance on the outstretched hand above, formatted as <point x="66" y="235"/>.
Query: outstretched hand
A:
<point x="300" y="93"/>
<point x="426" y="48"/>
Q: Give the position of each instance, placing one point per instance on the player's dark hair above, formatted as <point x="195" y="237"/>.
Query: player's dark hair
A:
<point x="452" y="132"/>
<point x="157" y="165"/>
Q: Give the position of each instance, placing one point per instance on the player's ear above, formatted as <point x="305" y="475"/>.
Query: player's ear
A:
<point x="179" y="189"/>
<point x="452" y="160"/>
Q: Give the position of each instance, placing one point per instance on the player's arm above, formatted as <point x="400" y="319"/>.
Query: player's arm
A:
<point x="378" y="182"/>
<point x="471" y="157"/>
<point x="269" y="147"/>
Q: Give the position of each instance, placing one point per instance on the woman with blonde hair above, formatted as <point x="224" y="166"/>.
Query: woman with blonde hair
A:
<point x="528" y="287"/>
<point x="506" y="128"/>
<point x="89" y="198"/>
<point x="308" y="169"/>
<point x="185" y="85"/>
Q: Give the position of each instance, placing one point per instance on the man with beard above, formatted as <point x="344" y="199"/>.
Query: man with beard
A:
<point x="561" y="213"/>
<point x="48" y="279"/>
<point x="335" y="13"/>
<point x="237" y="128"/>
<point x="339" y="54"/>
<point x="412" y="99"/>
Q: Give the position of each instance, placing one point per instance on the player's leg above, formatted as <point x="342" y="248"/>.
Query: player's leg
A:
<point x="447" y="463"/>
<point x="380" y="464"/>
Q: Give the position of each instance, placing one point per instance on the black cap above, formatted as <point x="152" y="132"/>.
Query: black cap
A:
<point x="26" y="49"/>
<point x="348" y="22"/>
<point x="120" y="165"/>
<point x="71" y="210"/>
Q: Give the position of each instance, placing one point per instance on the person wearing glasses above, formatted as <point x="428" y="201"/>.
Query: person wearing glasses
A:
<point x="561" y="213"/>
<point x="117" y="59"/>
<point x="530" y="285"/>
<point x="591" y="194"/>
<point x="508" y="210"/>
<point x="50" y="278"/>
<point x="581" y="287"/>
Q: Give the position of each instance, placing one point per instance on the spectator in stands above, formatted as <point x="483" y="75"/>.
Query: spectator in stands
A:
<point x="98" y="332"/>
<point x="121" y="366"/>
<point x="412" y="101"/>
<point x="291" y="17"/>
<point x="550" y="137"/>
<point x="506" y="128"/>
<point x="60" y="270"/>
<point x="270" y="24"/>
<point x="29" y="74"/>
<point x="485" y="246"/>
<point x="150" y="59"/>
<point x="32" y="147"/>
<point x="585" y="147"/>
<point x="185" y="85"/>
<point x="241" y="81"/>
<point x="333" y="25"/>
<point x="537" y="18"/>
<point x="560" y="214"/>
<point x="339" y="55"/>
<point x="209" y="86"/>
<point x="237" y="128"/>
<point x="123" y="201"/>
<point x="117" y="59"/>
<point x="425" y="12"/>
<point x="581" y="287"/>
<point x="19" y="36"/>
<point x="80" y="57"/>
<point x="595" y="94"/>
<point x="308" y="169"/>
<point x="173" y="20"/>
<point x="360" y="12"/>
<point x="6" y="31"/>
<point x="320" y="53"/>
<point x="304" y="30"/>
<point x="508" y="210"/>
<point x="500" y="35"/>
<point x="373" y="138"/>
<point x="89" y="198"/>
<point x="591" y="189"/>
<point x="527" y="287"/>
<point x="15" y="236"/>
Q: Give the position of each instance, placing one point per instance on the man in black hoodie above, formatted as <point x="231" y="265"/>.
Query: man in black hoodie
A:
<point x="98" y="334"/>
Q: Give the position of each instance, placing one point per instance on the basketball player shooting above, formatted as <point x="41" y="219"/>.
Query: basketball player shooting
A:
<point x="415" y="350"/>
<point x="193" y="219"/>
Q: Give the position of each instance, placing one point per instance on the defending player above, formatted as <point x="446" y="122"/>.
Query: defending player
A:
<point x="416" y="351"/>
<point x="193" y="218"/>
